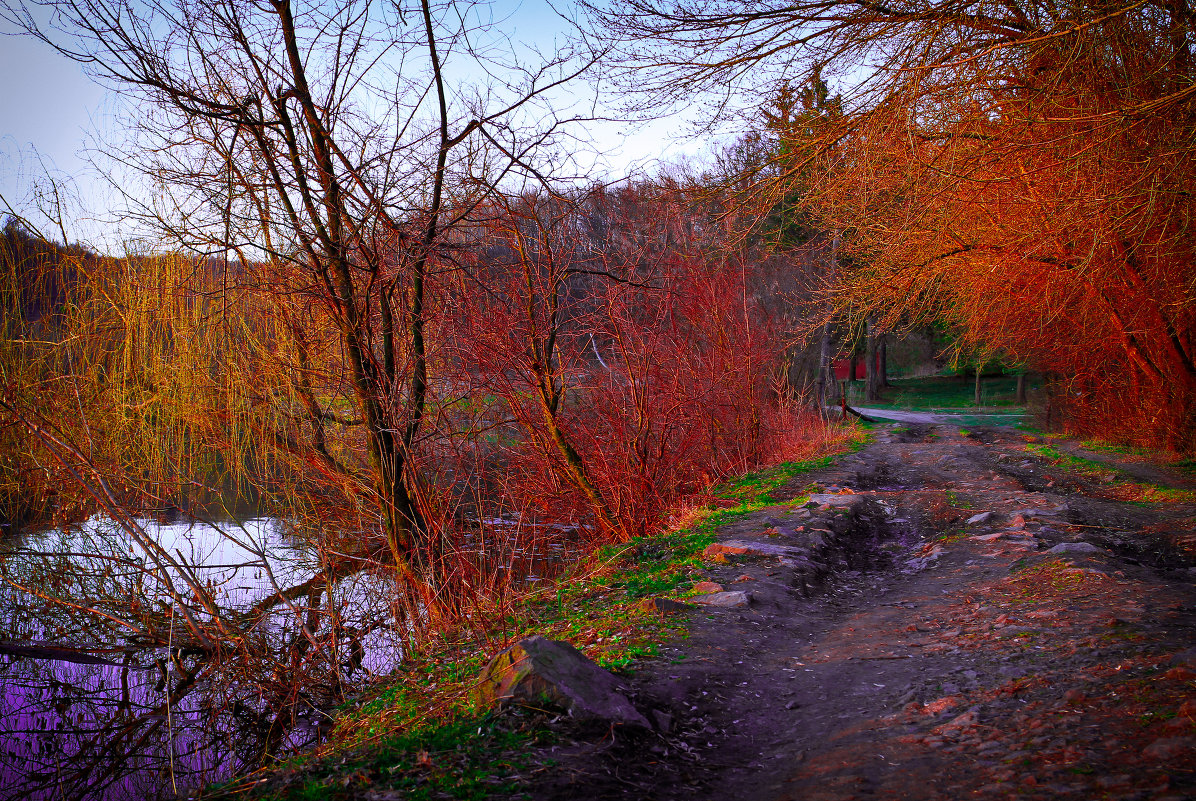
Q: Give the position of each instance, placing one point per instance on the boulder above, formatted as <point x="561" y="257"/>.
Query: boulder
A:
<point x="976" y="520"/>
<point x="539" y="672"/>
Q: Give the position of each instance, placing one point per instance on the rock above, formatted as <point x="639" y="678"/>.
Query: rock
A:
<point x="1185" y="657"/>
<point x="707" y="587"/>
<point x="925" y="561"/>
<point x="967" y="720"/>
<point x="715" y="550"/>
<point x="665" y="606"/>
<point x="987" y="537"/>
<point x="1039" y="512"/>
<point x="1076" y="547"/>
<point x="1021" y="539"/>
<point x="1169" y="748"/>
<point x="537" y="672"/>
<point x="744" y="577"/>
<point x="838" y="501"/>
<point x="724" y="600"/>
<point x="742" y="548"/>
<point x="803" y="561"/>
<point x="976" y="520"/>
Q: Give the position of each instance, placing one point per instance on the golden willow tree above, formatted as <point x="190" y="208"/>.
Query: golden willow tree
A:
<point x="1022" y="170"/>
<point x="312" y="160"/>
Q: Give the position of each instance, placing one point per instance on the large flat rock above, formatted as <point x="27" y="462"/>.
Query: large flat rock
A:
<point x="840" y="501"/>
<point x="745" y="548"/>
<point x="724" y="600"/>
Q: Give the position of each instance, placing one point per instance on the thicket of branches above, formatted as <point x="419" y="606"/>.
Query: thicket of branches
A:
<point x="593" y="359"/>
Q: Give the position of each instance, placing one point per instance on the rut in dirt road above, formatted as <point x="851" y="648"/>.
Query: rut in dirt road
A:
<point x="998" y="627"/>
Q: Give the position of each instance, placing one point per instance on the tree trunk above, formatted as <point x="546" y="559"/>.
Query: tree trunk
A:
<point x="978" y="374"/>
<point x="871" y="373"/>
<point x="883" y="345"/>
<point x="825" y="374"/>
<point x="1020" y="398"/>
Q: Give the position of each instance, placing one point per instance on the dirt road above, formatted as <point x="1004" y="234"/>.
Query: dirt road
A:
<point x="996" y="626"/>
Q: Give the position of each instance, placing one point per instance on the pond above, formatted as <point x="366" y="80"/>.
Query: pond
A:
<point x="110" y="687"/>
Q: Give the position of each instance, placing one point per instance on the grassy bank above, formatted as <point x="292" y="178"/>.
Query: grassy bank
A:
<point x="417" y="734"/>
<point x="1120" y="485"/>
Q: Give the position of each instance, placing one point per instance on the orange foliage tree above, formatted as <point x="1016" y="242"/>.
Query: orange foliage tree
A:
<point x="1021" y="170"/>
<point x="1044" y="213"/>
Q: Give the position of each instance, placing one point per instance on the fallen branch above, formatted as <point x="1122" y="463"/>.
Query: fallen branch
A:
<point x="848" y="410"/>
<point x="56" y="651"/>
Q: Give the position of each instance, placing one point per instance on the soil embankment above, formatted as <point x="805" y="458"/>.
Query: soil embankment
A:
<point x="999" y="624"/>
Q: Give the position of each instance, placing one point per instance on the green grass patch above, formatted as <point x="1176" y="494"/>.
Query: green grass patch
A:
<point x="1127" y="451"/>
<point x="1079" y="464"/>
<point x="942" y="393"/>
<point x="755" y="490"/>
<point x="956" y="501"/>
<point x="950" y="537"/>
<point x="467" y="758"/>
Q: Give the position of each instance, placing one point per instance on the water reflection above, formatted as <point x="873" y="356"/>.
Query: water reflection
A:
<point x="134" y="669"/>
<point x="143" y="659"/>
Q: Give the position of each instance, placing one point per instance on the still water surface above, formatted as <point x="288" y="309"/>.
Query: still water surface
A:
<point x="102" y="695"/>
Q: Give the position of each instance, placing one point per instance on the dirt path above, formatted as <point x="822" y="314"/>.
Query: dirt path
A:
<point x="1045" y="650"/>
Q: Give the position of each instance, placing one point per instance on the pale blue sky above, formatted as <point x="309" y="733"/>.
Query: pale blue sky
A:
<point x="47" y="103"/>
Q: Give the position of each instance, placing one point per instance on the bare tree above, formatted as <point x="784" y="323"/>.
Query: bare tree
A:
<point x="322" y="154"/>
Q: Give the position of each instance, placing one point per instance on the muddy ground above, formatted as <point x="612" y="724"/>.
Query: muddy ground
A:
<point x="1047" y="650"/>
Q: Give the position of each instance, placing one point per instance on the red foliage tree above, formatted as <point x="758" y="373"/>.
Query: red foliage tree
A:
<point x="629" y="353"/>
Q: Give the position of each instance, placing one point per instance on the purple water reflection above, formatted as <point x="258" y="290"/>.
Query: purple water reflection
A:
<point x="151" y="721"/>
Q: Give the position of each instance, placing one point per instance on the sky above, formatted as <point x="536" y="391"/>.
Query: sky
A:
<point x="47" y="106"/>
<point x="51" y="113"/>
